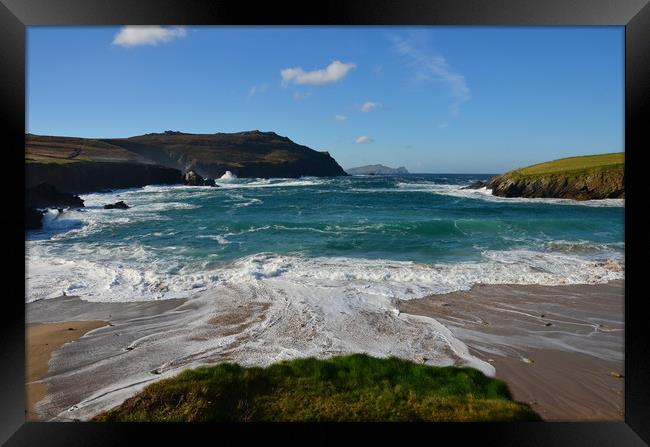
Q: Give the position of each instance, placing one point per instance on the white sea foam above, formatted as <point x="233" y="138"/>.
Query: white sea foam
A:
<point x="486" y="194"/>
<point x="583" y="246"/>
<point x="132" y="272"/>
<point x="218" y="238"/>
<point x="55" y="221"/>
<point x="111" y="273"/>
<point x="272" y="183"/>
<point x="227" y="176"/>
<point x="241" y="201"/>
<point x="184" y="191"/>
<point x="95" y="219"/>
<point x="411" y="280"/>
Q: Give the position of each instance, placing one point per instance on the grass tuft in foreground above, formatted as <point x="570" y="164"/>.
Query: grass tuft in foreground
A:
<point x="347" y="388"/>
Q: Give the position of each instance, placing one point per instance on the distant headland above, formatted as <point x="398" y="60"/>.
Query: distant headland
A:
<point x="376" y="170"/>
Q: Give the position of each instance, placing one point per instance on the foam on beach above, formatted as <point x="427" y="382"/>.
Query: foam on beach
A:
<point x="255" y="323"/>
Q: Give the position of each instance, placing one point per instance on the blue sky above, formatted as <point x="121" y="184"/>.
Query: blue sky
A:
<point x="433" y="99"/>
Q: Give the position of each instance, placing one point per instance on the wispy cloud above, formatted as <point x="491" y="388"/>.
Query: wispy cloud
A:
<point x="301" y="95"/>
<point x="368" y="106"/>
<point x="131" y="36"/>
<point x="428" y="66"/>
<point x="257" y="89"/>
<point x="334" y="72"/>
<point x="341" y="117"/>
<point x="364" y="139"/>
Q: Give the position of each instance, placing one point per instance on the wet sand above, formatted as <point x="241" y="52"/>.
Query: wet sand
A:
<point x="556" y="347"/>
<point x="560" y="348"/>
<point x="41" y="340"/>
<point x="48" y="329"/>
<point x="251" y="324"/>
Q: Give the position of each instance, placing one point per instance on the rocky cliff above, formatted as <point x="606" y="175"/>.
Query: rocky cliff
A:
<point x="245" y="154"/>
<point x="88" y="176"/>
<point x="578" y="178"/>
<point x="81" y="164"/>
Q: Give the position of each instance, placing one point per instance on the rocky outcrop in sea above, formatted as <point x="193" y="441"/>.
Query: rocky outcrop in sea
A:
<point x="45" y="195"/>
<point x="117" y="205"/>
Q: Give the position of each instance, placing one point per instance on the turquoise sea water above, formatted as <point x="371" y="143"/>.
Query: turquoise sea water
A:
<point x="404" y="235"/>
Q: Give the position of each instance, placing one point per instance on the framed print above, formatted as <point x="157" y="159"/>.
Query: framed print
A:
<point x="367" y="216"/>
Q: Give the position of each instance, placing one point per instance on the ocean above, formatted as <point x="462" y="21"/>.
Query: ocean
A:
<point x="403" y="237"/>
<point x="276" y="269"/>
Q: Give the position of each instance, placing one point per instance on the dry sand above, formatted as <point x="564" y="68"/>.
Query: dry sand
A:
<point x="555" y="347"/>
<point x="41" y="340"/>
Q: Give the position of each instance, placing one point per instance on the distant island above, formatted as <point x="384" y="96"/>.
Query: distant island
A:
<point x="376" y="170"/>
<point x="77" y="165"/>
<point x="588" y="177"/>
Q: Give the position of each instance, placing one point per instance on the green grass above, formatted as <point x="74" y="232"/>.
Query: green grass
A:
<point x="575" y="165"/>
<point x="347" y="388"/>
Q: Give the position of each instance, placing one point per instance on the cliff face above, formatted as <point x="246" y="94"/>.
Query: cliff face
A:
<point x="596" y="181"/>
<point x="85" y="176"/>
<point x="82" y="164"/>
<point x="245" y="154"/>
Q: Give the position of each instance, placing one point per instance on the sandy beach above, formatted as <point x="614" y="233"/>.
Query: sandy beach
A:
<point x="559" y="348"/>
<point x="41" y="340"/>
<point x="46" y="334"/>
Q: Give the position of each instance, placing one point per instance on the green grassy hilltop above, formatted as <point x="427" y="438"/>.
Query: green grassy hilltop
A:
<point x="347" y="388"/>
<point x="575" y="165"/>
<point x="600" y="176"/>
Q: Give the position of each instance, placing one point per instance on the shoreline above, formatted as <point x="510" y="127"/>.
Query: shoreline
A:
<point x="562" y="370"/>
<point x="559" y="348"/>
<point x="42" y="339"/>
<point x="47" y="339"/>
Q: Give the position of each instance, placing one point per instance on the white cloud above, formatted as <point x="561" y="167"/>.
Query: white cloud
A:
<point x="364" y="140"/>
<point x="368" y="106"/>
<point x="341" y="117"/>
<point x="430" y="67"/>
<point x="130" y="36"/>
<point x="334" y="72"/>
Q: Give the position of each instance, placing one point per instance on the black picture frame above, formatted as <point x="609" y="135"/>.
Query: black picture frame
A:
<point x="15" y="15"/>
